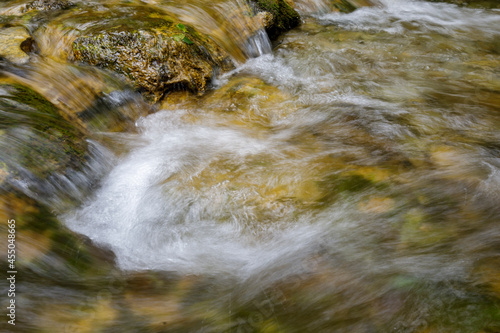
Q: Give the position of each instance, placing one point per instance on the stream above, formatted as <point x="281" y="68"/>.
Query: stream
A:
<point x="344" y="178"/>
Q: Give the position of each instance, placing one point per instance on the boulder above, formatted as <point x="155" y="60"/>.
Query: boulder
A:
<point x="45" y="248"/>
<point x="279" y="16"/>
<point x="48" y="5"/>
<point x="152" y="50"/>
<point x="35" y="140"/>
<point x="347" y="6"/>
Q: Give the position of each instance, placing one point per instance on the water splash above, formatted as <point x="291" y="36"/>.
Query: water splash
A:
<point x="231" y="23"/>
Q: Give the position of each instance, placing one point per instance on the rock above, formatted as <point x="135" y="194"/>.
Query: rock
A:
<point x="487" y="273"/>
<point x="347" y="6"/>
<point x="420" y="230"/>
<point x="47" y="5"/>
<point x="279" y="16"/>
<point x="327" y="6"/>
<point x="377" y="205"/>
<point x="252" y="98"/>
<point x="35" y="138"/>
<point x="89" y="98"/>
<point x="44" y="245"/>
<point x="15" y="42"/>
<point x="153" y="51"/>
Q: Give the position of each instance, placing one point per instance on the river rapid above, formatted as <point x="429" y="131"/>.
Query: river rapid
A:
<point x="345" y="178"/>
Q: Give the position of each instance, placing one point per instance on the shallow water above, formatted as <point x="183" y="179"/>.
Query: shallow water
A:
<point x="346" y="182"/>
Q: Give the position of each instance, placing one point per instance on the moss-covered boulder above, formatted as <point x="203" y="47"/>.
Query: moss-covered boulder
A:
<point x="279" y="16"/>
<point x="35" y="140"/>
<point x="45" y="125"/>
<point x="151" y="49"/>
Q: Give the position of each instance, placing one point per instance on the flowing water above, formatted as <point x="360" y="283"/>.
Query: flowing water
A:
<point x="346" y="181"/>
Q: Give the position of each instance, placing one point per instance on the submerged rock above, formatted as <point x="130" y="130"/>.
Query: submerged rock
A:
<point x="278" y="16"/>
<point x="149" y="48"/>
<point x="15" y="42"/>
<point x="328" y="6"/>
<point x="44" y="245"/>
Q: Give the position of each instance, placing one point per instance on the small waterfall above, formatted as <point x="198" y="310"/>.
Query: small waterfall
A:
<point x="231" y="23"/>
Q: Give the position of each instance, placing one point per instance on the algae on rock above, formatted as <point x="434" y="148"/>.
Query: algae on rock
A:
<point x="47" y="5"/>
<point x="153" y="51"/>
<point x="282" y="16"/>
<point x="35" y="136"/>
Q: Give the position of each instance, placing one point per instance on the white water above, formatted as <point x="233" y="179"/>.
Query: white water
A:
<point x="398" y="16"/>
<point x="152" y="216"/>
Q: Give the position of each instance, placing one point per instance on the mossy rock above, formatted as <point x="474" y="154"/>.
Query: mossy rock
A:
<point x="282" y="16"/>
<point x="348" y="6"/>
<point x="44" y="244"/>
<point x="152" y="50"/>
<point x="48" y="5"/>
<point x="34" y="138"/>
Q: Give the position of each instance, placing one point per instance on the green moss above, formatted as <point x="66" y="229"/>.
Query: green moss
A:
<point x="37" y="138"/>
<point x="268" y="5"/>
<point x="56" y="248"/>
<point x="284" y="16"/>
<point x="353" y="183"/>
<point x="155" y="59"/>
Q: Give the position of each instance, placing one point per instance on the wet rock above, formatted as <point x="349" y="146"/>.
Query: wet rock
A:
<point x="327" y="6"/>
<point x="153" y="51"/>
<point x="15" y="42"/>
<point x="44" y="244"/>
<point x="278" y="16"/>
<point x="87" y="97"/>
<point x="377" y="205"/>
<point x="347" y="6"/>
<point x="87" y="314"/>
<point x="243" y="101"/>
<point x="47" y="5"/>
<point x="248" y="96"/>
<point x="36" y="139"/>
<point x="420" y="230"/>
<point x="487" y="274"/>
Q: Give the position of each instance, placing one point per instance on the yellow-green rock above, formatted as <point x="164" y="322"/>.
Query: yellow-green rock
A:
<point x="150" y="48"/>
<point x="13" y="44"/>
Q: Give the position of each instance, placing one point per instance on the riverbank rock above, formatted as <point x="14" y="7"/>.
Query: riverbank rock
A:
<point x="277" y="16"/>
<point x="152" y="50"/>
<point x="15" y="43"/>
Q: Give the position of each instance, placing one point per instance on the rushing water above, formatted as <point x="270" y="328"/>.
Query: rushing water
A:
<point x="346" y="182"/>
